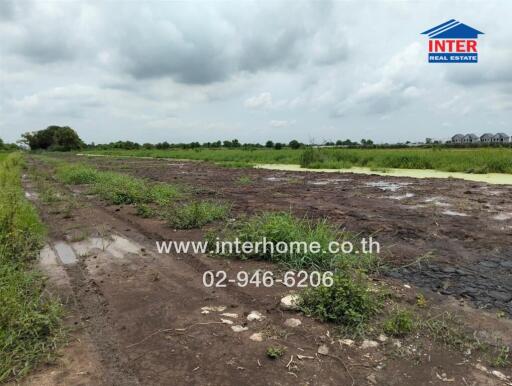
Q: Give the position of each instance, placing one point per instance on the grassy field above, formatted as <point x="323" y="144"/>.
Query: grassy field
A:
<point x="483" y="160"/>
<point x="29" y="319"/>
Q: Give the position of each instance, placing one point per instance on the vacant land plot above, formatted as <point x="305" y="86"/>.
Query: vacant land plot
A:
<point x="432" y="307"/>
<point x="485" y="160"/>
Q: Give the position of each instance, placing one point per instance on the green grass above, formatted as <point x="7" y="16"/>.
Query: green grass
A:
<point x="244" y="180"/>
<point x="196" y="214"/>
<point x="283" y="227"/>
<point x="399" y="323"/>
<point x="479" y="160"/>
<point x="349" y="301"/>
<point x="118" y="188"/>
<point x="29" y="318"/>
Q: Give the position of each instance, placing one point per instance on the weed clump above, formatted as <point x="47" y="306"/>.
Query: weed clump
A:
<point x="77" y="174"/>
<point x="399" y="324"/>
<point x="349" y="301"/>
<point x="196" y="214"/>
<point x="275" y="352"/>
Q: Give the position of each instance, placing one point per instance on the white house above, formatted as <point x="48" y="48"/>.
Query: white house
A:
<point x="501" y="138"/>
<point x="470" y="138"/>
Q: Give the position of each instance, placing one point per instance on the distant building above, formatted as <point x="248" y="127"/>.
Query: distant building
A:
<point x="487" y="137"/>
<point x="501" y="138"/>
<point x="457" y="138"/>
<point x="470" y="138"/>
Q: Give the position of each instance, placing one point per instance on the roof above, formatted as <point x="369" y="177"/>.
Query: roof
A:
<point x="486" y="135"/>
<point x="470" y="136"/>
<point x="501" y="135"/>
<point x="452" y="29"/>
<point x="458" y="136"/>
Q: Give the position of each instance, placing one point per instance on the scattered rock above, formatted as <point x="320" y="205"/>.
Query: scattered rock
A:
<point x="256" y="337"/>
<point x="382" y="338"/>
<point x="407" y="286"/>
<point x="208" y="309"/>
<point x="229" y="315"/>
<point x="323" y="349"/>
<point x="347" y="342"/>
<point x="369" y="344"/>
<point x="372" y="379"/>
<point x="255" y="316"/>
<point x="291" y="322"/>
<point x="239" y="328"/>
<point x="226" y="321"/>
<point x="499" y="374"/>
<point x="289" y="302"/>
<point x="301" y="357"/>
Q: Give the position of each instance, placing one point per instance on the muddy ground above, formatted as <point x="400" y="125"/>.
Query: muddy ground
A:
<point x="136" y="316"/>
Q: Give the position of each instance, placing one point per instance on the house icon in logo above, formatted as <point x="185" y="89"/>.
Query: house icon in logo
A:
<point x="452" y="42"/>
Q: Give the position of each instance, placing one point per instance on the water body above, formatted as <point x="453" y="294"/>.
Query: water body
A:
<point x="490" y="178"/>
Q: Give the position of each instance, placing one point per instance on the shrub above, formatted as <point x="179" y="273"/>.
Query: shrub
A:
<point x="399" y="324"/>
<point x="77" y="174"/>
<point x="196" y="214"/>
<point x="348" y="301"/>
<point x="121" y="189"/>
<point x="275" y="352"/>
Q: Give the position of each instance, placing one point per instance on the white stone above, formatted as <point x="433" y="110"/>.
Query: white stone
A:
<point x="323" y="349"/>
<point x="255" y="316"/>
<point x="347" y="342"/>
<point x="239" y="328"/>
<point x="257" y="337"/>
<point x="499" y="375"/>
<point x="226" y="321"/>
<point x="213" y="309"/>
<point x="382" y="338"/>
<point x="292" y="322"/>
<point x="229" y="315"/>
<point x="289" y="302"/>
<point x="369" y="344"/>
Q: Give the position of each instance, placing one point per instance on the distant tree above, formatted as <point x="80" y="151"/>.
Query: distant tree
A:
<point x="59" y="138"/>
<point x="1" y="144"/>
<point x="294" y="144"/>
<point x="235" y="143"/>
<point x="269" y="144"/>
<point x="278" y="146"/>
<point x="163" y="145"/>
<point x="227" y="143"/>
<point x="148" y="146"/>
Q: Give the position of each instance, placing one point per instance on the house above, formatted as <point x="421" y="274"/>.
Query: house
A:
<point x="501" y="138"/>
<point x="470" y="138"/>
<point x="487" y="137"/>
<point x="457" y="138"/>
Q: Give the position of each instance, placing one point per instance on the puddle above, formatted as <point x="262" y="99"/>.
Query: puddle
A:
<point x="401" y="197"/>
<point x="116" y="245"/>
<point x="47" y="257"/>
<point x="66" y="254"/>
<point x="453" y="213"/>
<point x="503" y="216"/>
<point x="387" y="186"/>
<point x="436" y="201"/>
<point x="276" y="179"/>
<point x="329" y="181"/>
<point x="490" y="178"/>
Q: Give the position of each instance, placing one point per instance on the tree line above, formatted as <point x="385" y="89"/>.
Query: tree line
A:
<point x="64" y="138"/>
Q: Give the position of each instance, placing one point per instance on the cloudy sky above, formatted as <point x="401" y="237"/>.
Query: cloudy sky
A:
<point x="202" y="71"/>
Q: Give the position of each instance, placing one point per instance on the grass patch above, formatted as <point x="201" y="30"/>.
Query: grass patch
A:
<point x="400" y="323"/>
<point x="298" y="233"/>
<point x="349" y="301"/>
<point x="29" y="319"/>
<point x="275" y="352"/>
<point x="244" y="180"/>
<point x="196" y="214"/>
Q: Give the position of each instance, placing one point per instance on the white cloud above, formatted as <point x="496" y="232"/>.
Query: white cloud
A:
<point x="260" y="101"/>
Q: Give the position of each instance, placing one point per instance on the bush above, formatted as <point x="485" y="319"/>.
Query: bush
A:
<point x="310" y="157"/>
<point x="121" y="189"/>
<point x="77" y="174"/>
<point x="348" y="301"/>
<point x="399" y="324"/>
<point x="196" y="214"/>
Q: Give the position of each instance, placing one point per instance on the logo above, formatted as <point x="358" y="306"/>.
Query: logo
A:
<point x="452" y="42"/>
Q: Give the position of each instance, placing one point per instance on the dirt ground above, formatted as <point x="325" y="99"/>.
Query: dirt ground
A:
<point x="136" y="317"/>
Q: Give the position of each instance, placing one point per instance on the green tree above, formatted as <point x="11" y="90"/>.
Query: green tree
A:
<point x="294" y="144"/>
<point x="59" y="138"/>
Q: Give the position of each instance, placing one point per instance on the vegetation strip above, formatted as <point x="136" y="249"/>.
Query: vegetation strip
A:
<point x="29" y="318"/>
